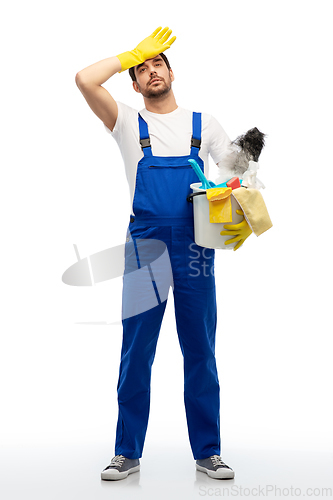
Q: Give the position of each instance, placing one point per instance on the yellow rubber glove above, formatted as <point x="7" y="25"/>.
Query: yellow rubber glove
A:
<point x="241" y="231"/>
<point x="149" y="48"/>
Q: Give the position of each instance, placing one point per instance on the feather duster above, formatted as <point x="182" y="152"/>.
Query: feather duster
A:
<point x="240" y="152"/>
<point x="251" y="143"/>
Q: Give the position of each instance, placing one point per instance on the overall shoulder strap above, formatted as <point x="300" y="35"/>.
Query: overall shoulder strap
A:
<point x="196" y="133"/>
<point x="144" y="137"/>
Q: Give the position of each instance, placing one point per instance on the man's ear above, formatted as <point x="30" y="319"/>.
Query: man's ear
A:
<point x="136" y="87"/>
<point x="172" y="76"/>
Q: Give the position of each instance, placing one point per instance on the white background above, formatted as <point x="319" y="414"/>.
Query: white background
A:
<point x="260" y="63"/>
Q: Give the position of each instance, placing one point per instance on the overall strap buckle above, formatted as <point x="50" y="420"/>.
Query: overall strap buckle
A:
<point x="196" y="143"/>
<point x="145" y="143"/>
<point x="144" y="137"/>
<point x="196" y="133"/>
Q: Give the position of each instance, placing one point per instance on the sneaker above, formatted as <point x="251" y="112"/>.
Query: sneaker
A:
<point x="120" y="467"/>
<point x="214" y="467"/>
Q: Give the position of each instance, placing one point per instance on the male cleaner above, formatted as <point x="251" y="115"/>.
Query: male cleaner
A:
<point x="156" y="144"/>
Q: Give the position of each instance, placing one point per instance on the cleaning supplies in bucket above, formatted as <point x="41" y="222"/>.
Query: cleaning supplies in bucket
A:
<point x="213" y="206"/>
<point x="206" y="233"/>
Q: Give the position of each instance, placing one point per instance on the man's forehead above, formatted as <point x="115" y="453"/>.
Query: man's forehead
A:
<point x="157" y="58"/>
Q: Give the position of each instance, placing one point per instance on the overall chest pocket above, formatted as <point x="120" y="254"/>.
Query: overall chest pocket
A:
<point x="163" y="189"/>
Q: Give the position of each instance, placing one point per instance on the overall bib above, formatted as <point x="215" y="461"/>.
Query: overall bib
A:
<point x="161" y="212"/>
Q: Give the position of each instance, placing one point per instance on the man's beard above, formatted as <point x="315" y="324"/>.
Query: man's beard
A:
<point x="152" y="92"/>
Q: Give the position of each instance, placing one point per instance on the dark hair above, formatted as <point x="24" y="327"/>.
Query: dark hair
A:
<point x="131" y="70"/>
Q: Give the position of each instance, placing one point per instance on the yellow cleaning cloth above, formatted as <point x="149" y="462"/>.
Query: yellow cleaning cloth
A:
<point x="219" y="204"/>
<point x="254" y="208"/>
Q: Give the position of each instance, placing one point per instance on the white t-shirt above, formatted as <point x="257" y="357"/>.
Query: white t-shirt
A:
<point x="170" y="135"/>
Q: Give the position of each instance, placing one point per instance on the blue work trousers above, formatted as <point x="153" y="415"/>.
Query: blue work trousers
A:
<point x="195" y="312"/>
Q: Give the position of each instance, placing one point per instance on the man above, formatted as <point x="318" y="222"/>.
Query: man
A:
<point x="156" y="145"/>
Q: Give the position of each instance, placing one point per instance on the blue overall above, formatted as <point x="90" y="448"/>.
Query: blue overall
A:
<point x="162" y="212"/>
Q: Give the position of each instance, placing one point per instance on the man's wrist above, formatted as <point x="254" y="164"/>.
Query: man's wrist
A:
<point x="129" y="59"/>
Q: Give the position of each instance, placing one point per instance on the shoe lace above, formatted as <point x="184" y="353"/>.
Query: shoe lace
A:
<point x="217" y="460"/>
<point x="117" y="461"/>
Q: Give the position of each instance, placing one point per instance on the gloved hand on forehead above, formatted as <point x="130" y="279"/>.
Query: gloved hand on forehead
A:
<point x="149" y="48"/>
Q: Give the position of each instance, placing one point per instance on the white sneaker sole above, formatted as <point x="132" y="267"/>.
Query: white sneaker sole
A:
<point x="221" y="473"/>
<point x="114" y="475"/>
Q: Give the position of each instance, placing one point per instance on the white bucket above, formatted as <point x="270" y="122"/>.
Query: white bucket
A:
<point x="206" y="233"/>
